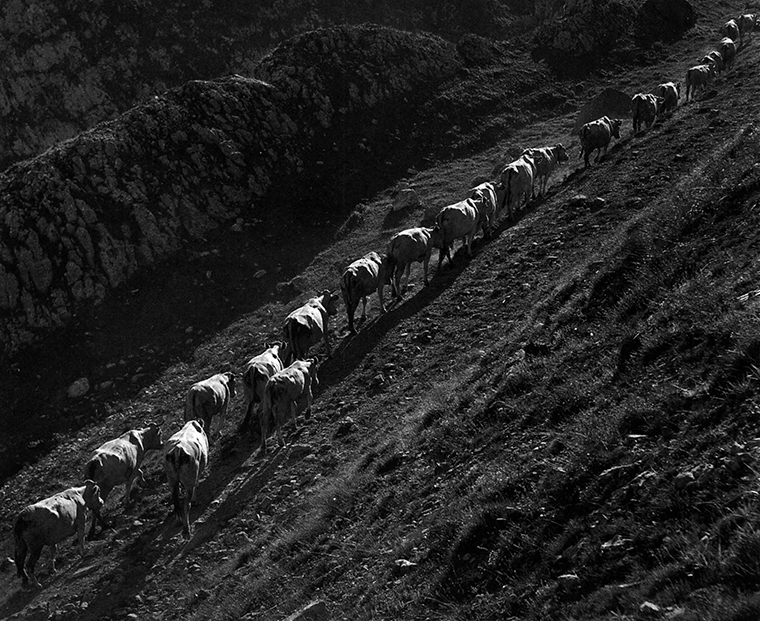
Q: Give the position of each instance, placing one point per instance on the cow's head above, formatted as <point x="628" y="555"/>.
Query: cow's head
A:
<point x="91" y="496"/>
<point x="330" y="302"/>
<point x="678" y="90"/>
<point x="561" y="153"/>
<point x="230" y="382"/>
<point x="314" y="364"/>
<point x="436" y="237"/>
<point x="615" y="127"/>
<point x="151" y="437"/>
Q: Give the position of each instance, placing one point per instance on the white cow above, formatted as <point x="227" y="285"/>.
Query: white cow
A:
<point x="698" y="77"/>
<point x="546" y="160"/>
<point x="728" y="51"/>
<point x="670" y="93"/>
<point x="746" y="23"/>
<point x="185" y="459"/>
<point x="359" y="280"/>
<point x="713" y="57"/>
<point x="118" y="461"/>
<point x="488" y="197"/>
<point x="287" y="394"/>
<point x="50" y="521"/>
<point x="407" y="247"/>
<point x="597" y="135"/>
<point x="256" y="374"/>
<point x="461" y="220"/>
<point x="518" y="178"/>
<point x="307" y="325"/>
<point x="645" y="109"/>
<point x="731" y="30"/>
<point x="208" y="398"/>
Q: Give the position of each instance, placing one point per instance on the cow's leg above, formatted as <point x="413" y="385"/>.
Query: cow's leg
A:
<point x="350" y="312"/>
<point x="247" y="417"/>
<point x="34" y="556"/>
<point x="137" y="475"/>
<point x="186" y="514"/>
<point x="175" y="500"/>
<point x="53" y="554"/>
<point x="364" y="308"/>
<point x="19" y="557"/>
<point x="407" y="271"/>
<point x="80" y="534"/>
<point x="293" y="414"/>
<point x="278" y="426"/>
<point x="425" y="262"/>
<point x="397" y="281"/>
<point x="264" y="415"/>
<point x="326" y="339"/>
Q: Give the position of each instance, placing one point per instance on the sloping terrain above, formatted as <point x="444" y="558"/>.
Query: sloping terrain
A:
<point x="563" y="426"/>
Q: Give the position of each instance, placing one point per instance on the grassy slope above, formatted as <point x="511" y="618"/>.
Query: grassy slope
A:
<point x="562" y="427"/>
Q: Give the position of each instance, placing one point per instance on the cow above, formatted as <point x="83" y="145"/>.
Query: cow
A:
<point x="713" y="57"/>
<point x="185" y="459"/>
<point x="645" y="109"/>
<point x="731" y="30"/>
<point x="546" y="160"/>
<point x="670" y="93"/>
<point x="728" y="51"/>
<point x="404" y="248"/>
<point x="256" y="374"/>
<point x="50" y="521"/>
<point x="698" y="78"/>
<point x="461" y="220"/>
<point x="517" y="178"/>
<point x="487" y="197"/>
<point x="597" y="135"/>
<point x="118" y="461"/>
<point x="208" y="398"/>
<point x="359" y="280"/>
<point x="746" y="23"/>
<point x="308" y="324"/>
<point x="287" y="394"/>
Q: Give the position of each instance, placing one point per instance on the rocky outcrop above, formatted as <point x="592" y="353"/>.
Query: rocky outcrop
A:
<point x="582" y="31"/>
<point x="81" y="219"/>
<point x="70" y="65"/>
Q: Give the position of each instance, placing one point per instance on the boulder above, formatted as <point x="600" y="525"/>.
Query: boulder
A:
<point x="406" y="199"/>
<point x="610" y="102"/>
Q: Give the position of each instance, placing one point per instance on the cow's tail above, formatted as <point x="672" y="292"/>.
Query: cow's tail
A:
<point x="20" y="549"/>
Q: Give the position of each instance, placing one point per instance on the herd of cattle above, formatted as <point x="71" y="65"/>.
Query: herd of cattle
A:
<point x="281" y="379"/>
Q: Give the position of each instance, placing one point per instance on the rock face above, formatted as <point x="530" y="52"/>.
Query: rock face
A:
<point x="85" y="216"/>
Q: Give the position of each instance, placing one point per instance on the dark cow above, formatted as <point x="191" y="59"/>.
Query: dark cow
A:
<point x="597" y="135"/>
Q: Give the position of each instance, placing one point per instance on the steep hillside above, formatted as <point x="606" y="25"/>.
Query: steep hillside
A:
<point x="562" y="426"/>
